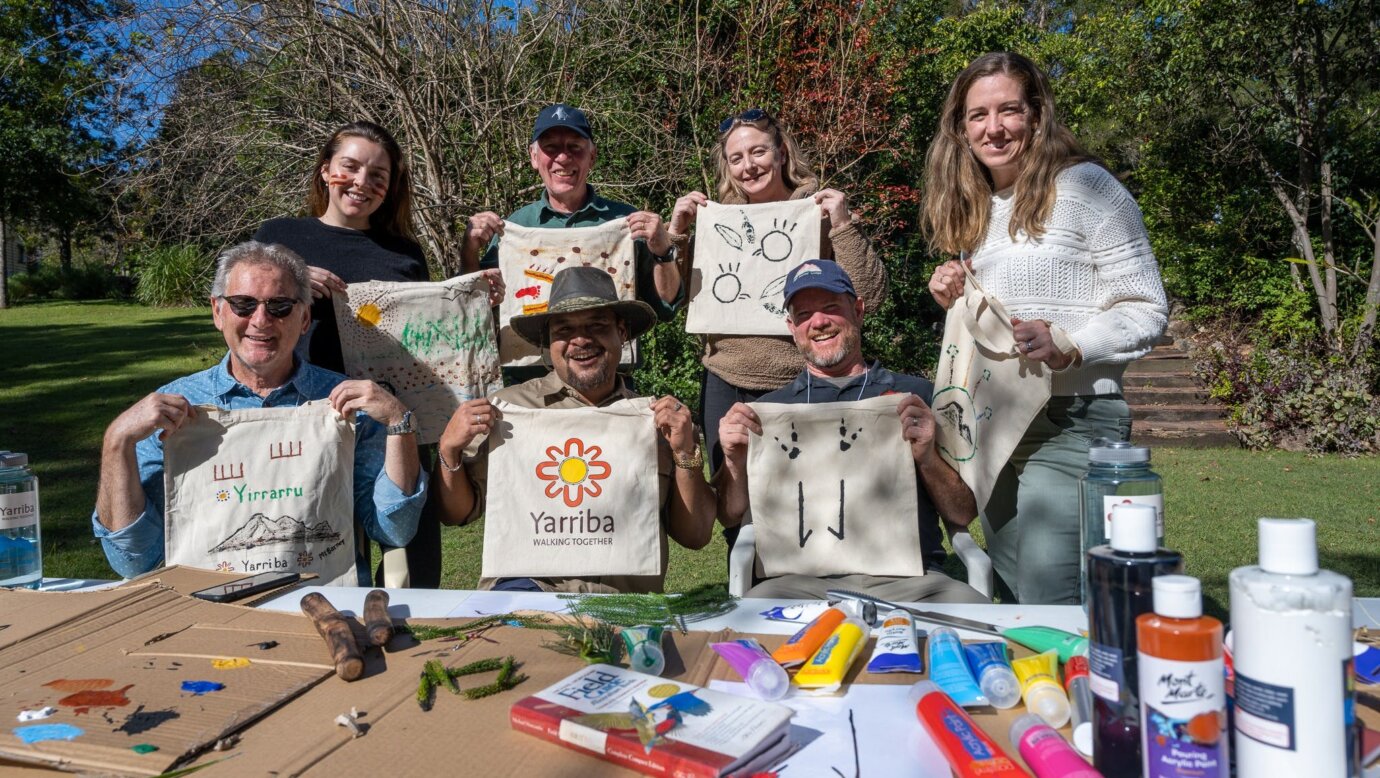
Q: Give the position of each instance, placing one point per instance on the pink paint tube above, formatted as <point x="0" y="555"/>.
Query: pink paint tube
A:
<point x="1046" y="752"/>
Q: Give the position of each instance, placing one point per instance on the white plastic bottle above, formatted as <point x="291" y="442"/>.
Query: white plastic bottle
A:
<point x="1291" y="649"/>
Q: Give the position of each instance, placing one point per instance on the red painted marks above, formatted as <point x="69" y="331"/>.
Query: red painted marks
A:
<point x="79" y="684"/>
<point x="530" y="291"/>
<point x="83" y="701"/>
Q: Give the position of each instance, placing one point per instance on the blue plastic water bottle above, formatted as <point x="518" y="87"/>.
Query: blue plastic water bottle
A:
<point x="21" y="551"/>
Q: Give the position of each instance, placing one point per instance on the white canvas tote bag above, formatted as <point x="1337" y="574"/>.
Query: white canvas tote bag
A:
<point x="530" y="258"/>
<point x="431" y="344"/>
<point x="832" y="490"/>
<point x="986" y="392"/>
<point x="573" y="492"/>
<point x="742" y="256"/>
<point x="262" y="490"/>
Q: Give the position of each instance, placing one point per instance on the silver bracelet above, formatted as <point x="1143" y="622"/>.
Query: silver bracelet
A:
<point x="448" y="468"/>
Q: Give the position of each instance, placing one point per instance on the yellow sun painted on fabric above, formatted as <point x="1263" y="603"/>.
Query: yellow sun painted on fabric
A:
<point x="574" y="470"/>
<point x="663" y="690"/>
<point x="230" y="664"/>
<point x="369" y="315"/>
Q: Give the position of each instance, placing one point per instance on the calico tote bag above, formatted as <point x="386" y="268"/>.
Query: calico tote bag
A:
<point x="986" y="392"/>
<point x="573" y="492"/>
<point x="262" y="490"/>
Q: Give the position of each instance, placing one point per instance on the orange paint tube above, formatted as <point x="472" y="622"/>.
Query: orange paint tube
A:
<point x="804" y="643"/>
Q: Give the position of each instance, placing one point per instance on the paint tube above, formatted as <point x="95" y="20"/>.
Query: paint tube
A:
<point x="1046" y="752"/>
<point x="803" y="644"/>
<point x="1067" y="644"/>
<point x="754" y="665"/>
<point x="971" y="752"/>
<point x="644" y="649"/>
<point x="896" y="650"/>
<point x="803" y="613"/>
<point x="993" y="672"/>
<point x="826" y="669"/>
<point x="949" y="668"/>
<point x="1039" y="677"/>
<point x="1078" y="686"/>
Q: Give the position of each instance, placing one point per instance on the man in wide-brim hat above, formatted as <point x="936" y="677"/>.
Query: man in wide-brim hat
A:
<point x="583" y="328"/>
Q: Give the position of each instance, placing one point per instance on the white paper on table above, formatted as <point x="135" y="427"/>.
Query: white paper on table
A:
<point x="488" y="603"/>
<point x="890" y="740"/>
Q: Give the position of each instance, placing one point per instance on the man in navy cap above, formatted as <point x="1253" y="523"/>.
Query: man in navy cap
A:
<point x="563" y="154"/>
<point x="824" y="315"/>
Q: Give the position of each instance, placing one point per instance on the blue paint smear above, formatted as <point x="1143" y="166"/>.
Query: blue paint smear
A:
<point x="201" y="687"/>
<point x="37" y="733"/>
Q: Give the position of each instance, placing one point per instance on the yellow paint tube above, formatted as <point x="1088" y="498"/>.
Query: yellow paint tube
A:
<point x="826" y="669"/>
<point x="1044" y="696"/>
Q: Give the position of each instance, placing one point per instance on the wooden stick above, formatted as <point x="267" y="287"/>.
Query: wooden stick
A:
<point x="376" y="620"/>
<point x="335" y="630"/>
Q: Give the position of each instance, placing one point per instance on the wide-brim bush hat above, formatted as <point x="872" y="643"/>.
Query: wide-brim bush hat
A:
<point x="583" y="289"/>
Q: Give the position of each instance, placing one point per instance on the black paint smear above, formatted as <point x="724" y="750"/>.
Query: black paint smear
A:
<point x="857" y="761"/>
<point x="804" y="536"/>
<point x="793" y="451"/>
<point x="845" y="442"/>
<point x="839" y="534"/>
<point x="141" y="721"/>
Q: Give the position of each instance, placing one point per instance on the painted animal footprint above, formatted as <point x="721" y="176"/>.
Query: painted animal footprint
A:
<point x="846" y="440"/>
<point x="793" y="450"/>
<point x="728" y="287"/>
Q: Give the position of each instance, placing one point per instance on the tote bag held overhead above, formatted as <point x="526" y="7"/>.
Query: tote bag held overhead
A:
<point x="986" y="393"/>
<point x="261" y="490"/>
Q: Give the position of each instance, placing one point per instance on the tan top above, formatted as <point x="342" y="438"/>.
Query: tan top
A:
<point x="550" y="391"/>
<point x="763" y="362"/>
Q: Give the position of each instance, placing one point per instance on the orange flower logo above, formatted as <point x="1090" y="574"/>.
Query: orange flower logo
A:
<point x="573" y="472"/>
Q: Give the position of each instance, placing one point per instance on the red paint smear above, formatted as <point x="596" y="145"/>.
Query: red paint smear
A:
<point x="530" y="291"/>
<point x="78" y="684"/>
<point x="92" y="698"/>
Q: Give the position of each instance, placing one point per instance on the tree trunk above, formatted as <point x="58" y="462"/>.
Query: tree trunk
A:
<point x="1366" y="334"/>
<point x="65" y="248"/>
<point x="4" y="268"/>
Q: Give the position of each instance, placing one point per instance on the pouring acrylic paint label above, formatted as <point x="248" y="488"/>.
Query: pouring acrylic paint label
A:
<point x="1183" y="712"/>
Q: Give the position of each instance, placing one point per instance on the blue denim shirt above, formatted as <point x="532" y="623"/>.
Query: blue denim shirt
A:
<point x="386" y="514"/>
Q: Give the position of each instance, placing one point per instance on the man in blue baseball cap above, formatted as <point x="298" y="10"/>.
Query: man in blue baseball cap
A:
<point x="824" y="315"/>
<point x="563" y="153"/>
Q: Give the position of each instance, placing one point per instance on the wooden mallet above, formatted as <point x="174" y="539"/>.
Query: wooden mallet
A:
<point x="335" y="630"/>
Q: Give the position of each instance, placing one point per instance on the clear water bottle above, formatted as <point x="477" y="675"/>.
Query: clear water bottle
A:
<point x="1118" y="473"/>
<point x="21" y="551"/>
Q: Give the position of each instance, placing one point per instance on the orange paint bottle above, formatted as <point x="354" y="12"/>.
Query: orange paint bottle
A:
<point x="1183" y="702"/>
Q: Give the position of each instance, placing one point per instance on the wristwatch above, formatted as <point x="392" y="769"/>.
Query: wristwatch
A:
<point x="670" y="255"/>
<point x="405" y="427"/>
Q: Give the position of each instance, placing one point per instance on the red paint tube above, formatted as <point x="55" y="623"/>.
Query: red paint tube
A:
<point x="971" y="752"/>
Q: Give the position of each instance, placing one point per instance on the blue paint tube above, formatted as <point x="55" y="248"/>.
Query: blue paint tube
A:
<point x="949" y="668"/>
<point x="995" y="677"/>
<point x="896" y="650"/>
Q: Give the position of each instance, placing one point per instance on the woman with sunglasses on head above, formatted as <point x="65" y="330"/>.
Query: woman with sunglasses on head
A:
<point x="359" y="198"/>
<point x="759" y="162"/>
<point x="1051" y="233"/>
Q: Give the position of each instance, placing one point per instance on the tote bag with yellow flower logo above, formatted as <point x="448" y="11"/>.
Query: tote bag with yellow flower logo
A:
<point x="573" y="492"/>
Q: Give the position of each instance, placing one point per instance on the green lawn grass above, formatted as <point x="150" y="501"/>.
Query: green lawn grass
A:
<point x="72" y="367"/>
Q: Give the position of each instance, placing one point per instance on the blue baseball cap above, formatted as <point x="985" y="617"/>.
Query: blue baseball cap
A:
<point x="823" y="274"/>
<point x="562" y="115"/>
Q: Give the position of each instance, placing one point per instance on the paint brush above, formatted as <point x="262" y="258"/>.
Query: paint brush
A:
<point x="335" y="630"/>
<point x="930" y="616"/>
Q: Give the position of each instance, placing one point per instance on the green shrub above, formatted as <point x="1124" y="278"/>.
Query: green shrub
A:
<point x="176" y="276"/>
<point x="50" y="282"/>
<point x="1298" y="396"/>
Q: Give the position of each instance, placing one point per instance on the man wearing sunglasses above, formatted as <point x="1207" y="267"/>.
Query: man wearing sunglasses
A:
<point x="562" y="152"/>
<point x="260" y="302"/>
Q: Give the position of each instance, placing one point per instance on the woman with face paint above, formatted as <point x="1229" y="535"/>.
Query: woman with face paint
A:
<point x="1051" y="233"/>
<point x="359" y="228"/>
<point x="759" y="162"/>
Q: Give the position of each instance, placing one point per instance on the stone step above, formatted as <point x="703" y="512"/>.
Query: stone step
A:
<point x="1156" y="365"/>
<point x="1164" y="395"/>
<point x="1189" y="434"/>
<point x="1180" y="412"/>
<point x="1184" y="380"/>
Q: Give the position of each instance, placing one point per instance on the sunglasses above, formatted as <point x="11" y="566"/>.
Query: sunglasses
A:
<point x="244" y="306"/>
<point x="750" y="115"/>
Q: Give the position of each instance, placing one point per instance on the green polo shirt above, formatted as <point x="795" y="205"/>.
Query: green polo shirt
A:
<point x="595" y="211"/>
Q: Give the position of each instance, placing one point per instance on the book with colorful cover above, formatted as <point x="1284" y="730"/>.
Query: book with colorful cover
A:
<point x="657" y="726"/>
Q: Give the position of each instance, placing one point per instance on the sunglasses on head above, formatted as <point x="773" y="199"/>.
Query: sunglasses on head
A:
<point x="750" y="115"/>
<point x="244" y="306"/>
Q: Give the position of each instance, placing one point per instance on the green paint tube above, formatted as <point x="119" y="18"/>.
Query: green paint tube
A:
<point x="1041" y="639"/>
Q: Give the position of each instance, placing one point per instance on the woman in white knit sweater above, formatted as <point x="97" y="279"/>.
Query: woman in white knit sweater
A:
<point x="1053" y="235"/>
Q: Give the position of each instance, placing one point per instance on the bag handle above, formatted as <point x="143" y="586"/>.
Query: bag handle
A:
<point x="989" y="308"/>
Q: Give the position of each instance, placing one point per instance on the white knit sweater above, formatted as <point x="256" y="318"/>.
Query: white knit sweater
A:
<point x="1092" y="273"/>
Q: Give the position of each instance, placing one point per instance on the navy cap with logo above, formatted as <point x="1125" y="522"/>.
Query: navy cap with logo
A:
<point x="562" y="115"/>
<point x="818" y="274"/>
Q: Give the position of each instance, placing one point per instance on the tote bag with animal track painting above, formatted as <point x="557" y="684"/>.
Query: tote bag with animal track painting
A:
<point x="262" y="490"/>
<point x="986" y="392"/>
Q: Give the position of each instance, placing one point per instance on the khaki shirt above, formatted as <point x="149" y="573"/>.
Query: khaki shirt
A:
<point x="550" y="391"/>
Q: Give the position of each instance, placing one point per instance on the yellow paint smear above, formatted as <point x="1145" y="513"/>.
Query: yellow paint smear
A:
<point x="534" y="308"/>
<point x="369" y="315"/>
<point x="230" y="664"/>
